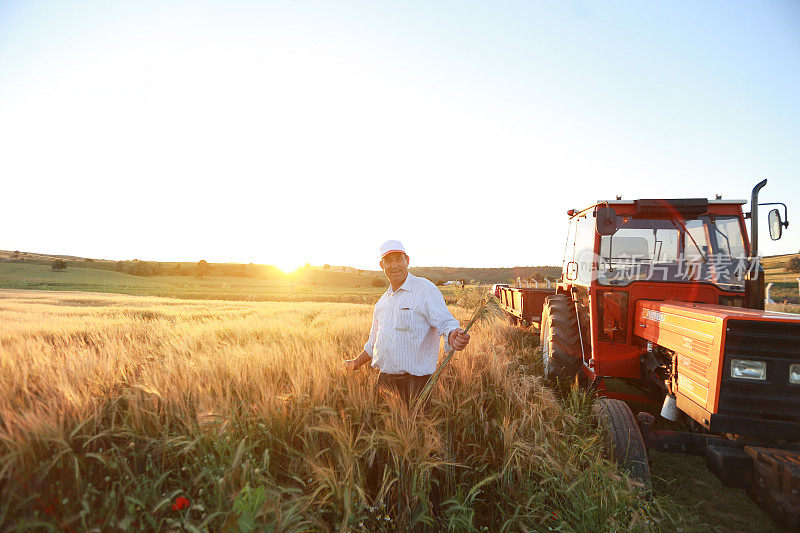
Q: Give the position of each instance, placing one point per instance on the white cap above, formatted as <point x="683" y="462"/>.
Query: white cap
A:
<point x="392" y="246"/>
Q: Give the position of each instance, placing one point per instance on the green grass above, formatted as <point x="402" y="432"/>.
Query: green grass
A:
<point x="34" y="276"/>
<point x="784" y="291"/>
<point x="685" y="480"/>
<point x="42" y="277"/>
<point x="784" y="282"/>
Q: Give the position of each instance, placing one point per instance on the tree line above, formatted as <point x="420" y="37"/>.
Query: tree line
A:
<point x="200" y="269"/>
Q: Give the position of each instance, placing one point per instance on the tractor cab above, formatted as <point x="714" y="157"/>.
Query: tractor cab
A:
<point x="619" y="252"/>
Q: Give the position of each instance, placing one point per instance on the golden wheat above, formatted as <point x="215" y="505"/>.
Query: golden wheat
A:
<point x="112" y="406"/>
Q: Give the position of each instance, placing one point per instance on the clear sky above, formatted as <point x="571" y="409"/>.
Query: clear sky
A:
<point x="288" y="132"/>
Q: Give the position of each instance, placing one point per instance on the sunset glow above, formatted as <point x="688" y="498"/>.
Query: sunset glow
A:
<point x="250" y="130"/>
<point x="289" y="267"/>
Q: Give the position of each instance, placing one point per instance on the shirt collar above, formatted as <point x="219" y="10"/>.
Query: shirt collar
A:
<point x="406" y="286"/>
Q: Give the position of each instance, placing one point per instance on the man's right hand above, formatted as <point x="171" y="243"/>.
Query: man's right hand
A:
<point x="355" y="364"/>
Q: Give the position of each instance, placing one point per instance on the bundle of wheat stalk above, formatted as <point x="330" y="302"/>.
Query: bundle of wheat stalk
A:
<point x="487" y="310"/>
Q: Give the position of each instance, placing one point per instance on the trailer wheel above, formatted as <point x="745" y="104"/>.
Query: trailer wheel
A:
<point x="559" y="339"/>
<point x="623" y="440"/>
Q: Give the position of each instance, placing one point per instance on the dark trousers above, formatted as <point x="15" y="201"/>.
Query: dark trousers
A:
<point x="406" y="385"/>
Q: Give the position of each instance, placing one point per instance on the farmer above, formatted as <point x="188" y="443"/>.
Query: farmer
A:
<point x="406" y="324"/>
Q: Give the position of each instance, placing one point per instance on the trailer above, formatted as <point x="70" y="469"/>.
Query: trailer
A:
<point x="668" y="295"/>
<point x="523" y="304"/>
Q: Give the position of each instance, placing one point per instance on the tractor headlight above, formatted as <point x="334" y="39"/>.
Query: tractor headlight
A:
<point x="744" y="369"/>
<point x="794" y="374"/>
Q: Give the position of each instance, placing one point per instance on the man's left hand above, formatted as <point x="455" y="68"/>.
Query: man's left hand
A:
<point x="458" y="339"/>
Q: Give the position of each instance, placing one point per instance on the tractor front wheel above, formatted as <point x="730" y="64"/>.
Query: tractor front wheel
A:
<point x="559" y="339"/>
<point x="623" y="440"/>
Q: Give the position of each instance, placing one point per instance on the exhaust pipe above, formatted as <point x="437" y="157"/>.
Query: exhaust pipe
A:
<point x="754" y="279"/>
<point x="669" y="409"/>
<point x="754" y="218"/>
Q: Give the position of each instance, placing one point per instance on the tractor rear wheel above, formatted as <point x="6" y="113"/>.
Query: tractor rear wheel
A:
<point x="624" y="440"/>
<point x="559" y="339"/>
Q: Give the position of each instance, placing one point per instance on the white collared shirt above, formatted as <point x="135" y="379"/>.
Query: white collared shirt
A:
<point x="406" y="325"/>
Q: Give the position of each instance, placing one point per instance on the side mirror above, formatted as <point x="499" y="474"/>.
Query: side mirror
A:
<point x="775" y="225"/>
<point x="606" y="220"/>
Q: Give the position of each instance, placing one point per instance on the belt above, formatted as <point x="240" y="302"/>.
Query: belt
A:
<point x="404" y="375"/>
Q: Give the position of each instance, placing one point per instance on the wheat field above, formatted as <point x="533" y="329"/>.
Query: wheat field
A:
<point x="143" y="413"/>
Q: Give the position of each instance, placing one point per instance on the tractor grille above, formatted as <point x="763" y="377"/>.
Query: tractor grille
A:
<point x="776" y="343"/>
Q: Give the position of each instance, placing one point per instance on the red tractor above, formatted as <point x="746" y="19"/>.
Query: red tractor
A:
<point x="666" y="298"/>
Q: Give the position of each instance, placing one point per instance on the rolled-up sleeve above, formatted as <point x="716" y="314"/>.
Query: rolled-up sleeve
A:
<point x="373" y="332"/>
<point x="439" y="316"/>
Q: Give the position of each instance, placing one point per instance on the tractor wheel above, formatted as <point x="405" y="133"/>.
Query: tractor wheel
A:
<point x="624" y="440"/>
<point x="559" y="339"/>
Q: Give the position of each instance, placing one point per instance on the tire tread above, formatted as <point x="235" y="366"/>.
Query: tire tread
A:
<point x="624" y="439"/>
<point x="563" y="338"/>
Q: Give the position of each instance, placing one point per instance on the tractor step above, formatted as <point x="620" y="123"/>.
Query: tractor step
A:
<point x="776" y="484"/>
<point x="732" y="466"/>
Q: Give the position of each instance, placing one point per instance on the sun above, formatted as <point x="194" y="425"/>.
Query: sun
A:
<point x="289" y="267"/>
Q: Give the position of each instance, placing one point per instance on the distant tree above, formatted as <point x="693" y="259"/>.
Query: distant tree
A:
<point x="15" y="254"/>
<point x="143" y="268"/>
<point x="89" y="260"/>
<point x="202" y="268"/>
<point x="326" y="266"/>
<point x="59" y="264"/>
<point x="794" y="264"/>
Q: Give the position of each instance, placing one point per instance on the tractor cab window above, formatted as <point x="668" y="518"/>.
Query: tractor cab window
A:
<point x="579" y="251"/>
<point x="707" y="249"/>
<point x="695" y="233"/>
<point x="584" y="248"/>
<point x="569" y="248"/>
<point x="728" y="236"/>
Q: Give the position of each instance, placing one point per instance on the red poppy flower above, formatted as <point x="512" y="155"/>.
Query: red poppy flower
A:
<point x="180" y="503"/>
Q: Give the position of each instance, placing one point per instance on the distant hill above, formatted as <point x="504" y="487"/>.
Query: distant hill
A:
<point x="784" y="282"/>
<point x="320" y="275"/>
<point x="487" y="275"/>
<point x="17" y="255"/>
<point x="776" y="268"/>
